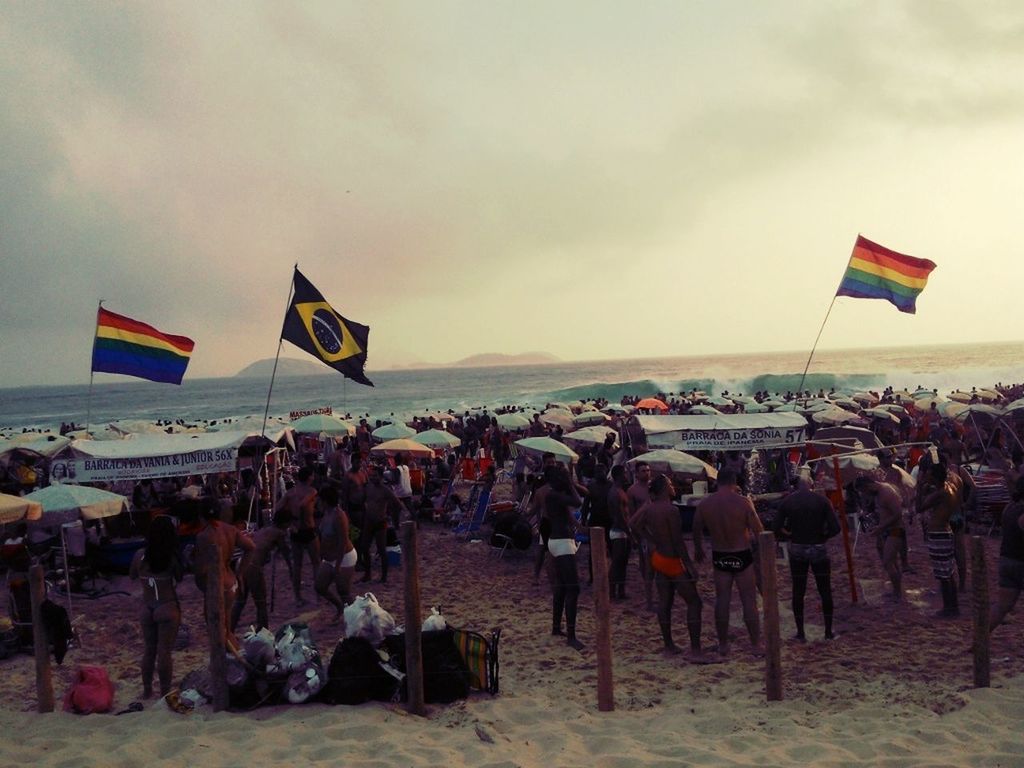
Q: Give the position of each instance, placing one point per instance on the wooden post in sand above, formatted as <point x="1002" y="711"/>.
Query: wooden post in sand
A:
<point x="770" y="599"/>
<point x="40" y="641"/>
<point x="413" y="622"/>
<point x="979" y="581"/>
<point x="603" y="622"/>
<point x="845" y="528"/>
<point x="215" y="623"/>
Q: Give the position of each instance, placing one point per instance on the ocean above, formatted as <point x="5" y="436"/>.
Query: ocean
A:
<point x="407" y="392"/>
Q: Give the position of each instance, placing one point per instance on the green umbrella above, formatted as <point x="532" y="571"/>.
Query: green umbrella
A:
<point x="512" y="421"/>
<point x="66" y="503"/>
<point x="437" y="438"/>
<point x="542" y="445"/>
<point x="669" y="460"/>
<point x="392" y="432"/>
<point x="322" y="423"/>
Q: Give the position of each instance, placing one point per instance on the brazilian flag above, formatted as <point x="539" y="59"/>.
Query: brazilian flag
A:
<point x="313" y="326"/>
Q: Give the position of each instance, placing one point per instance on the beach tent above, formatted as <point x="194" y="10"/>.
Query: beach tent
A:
<point x="722" y="432"/>
<point x="148" y="457"/>
<point x="15" y="508"/>
<point x="541" y="445"/>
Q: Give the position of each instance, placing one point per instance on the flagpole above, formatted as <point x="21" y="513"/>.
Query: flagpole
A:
<point x="254" y="498"/>
<point x="92" y="373"/>
<point x="807" y="367"/>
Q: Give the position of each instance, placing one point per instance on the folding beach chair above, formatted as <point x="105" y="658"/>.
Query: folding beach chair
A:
<point x="481" y="656"/>
<point x="476" y="521"/>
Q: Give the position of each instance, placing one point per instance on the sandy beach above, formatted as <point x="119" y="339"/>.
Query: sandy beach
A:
<point x="893" y="690"/>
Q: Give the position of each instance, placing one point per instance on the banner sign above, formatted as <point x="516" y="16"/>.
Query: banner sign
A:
<point x="731" y="439"/>
<point x="93" y="470"/>
<point x="323" y="411"/>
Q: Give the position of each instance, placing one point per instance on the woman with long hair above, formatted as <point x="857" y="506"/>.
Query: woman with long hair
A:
<point x="158" y="567"/>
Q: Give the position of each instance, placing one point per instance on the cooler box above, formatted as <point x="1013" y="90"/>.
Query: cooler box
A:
<point x="394" y="556"/>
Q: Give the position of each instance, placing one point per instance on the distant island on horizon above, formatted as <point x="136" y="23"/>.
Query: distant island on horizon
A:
<point x="291" y="366"/>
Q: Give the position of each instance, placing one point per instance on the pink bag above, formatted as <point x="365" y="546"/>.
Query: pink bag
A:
<point x="91" y="692"/>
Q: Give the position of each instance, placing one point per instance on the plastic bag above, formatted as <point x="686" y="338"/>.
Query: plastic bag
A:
<point x="366" y="619"/>
<point x="258" y="648"/>
<point x="435" y="621"/>
<point x="91" y="692"/>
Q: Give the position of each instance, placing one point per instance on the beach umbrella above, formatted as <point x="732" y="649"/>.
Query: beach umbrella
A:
<point x="950" y="409"/>
<point x="403" y="445"/>
<point x="322" y="424"/>
<point x="678" y="463"/>
<point x="590" y="435"/>
<point x="512" y="421"/>
<point x="616" y="408"/>
<point x="392" y="432"/>
<point x="541" y="445"/>
<point x="785" y="408"/>
<point x="15" y="508"/>
<point x="899" y="410"/>
<point x="881" y="414"/>
<point x="834" y="416"/>
<point x="704" y="410"/>
<point x="978" y="409"/>
<point x="437" y="438"/>
<point x="1016" y="405"/>
<point x="865" y="438"/>
<point x="558" y="417"/>
<point x="847" y="403"/>
<point x="864" y="397"/>
<point x="716" y="400"/>
<point x="67" y="503"/>
<point x="960" y="397"/>
<point x="589" y="418"/>
<point x="989" y="395"/>
<point x="135" y="427"/>
<point x="755" y="407"/>
<point x="653" y="404"/>
<point x="587" y="407"/>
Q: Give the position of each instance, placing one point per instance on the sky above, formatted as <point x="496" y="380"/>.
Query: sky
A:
<point x="595" y="180"/>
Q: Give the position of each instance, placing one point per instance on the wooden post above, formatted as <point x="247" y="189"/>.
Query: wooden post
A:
<point x="979" y="581"/>
<point x="770" y="599"/>
<point x="844" y="526"/>
<point x="215" y="625"/>
<point x="602" y="619"/>
<point x="40" y="641"/>
<point x="413" y="621"/>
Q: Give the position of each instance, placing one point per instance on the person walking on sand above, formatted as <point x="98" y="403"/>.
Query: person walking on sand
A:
<point x="638" y="495"/>
<point x="562" y="497"/>
<point x="300" y="503"/>
<point x="158" y="567"/>
<point x="807" y="520"/>
<point x="338" y="555"/>
<point x="937" y="508"/>
<point x="890" y="533"/>
<point x="658" y="523"/>
<point x="619" y="511"/>
<point x="381" y="503"/>
<point x="732" y="524"/>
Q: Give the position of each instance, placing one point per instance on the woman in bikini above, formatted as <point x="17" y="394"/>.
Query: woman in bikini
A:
<point x="337" y="553"/>
<point x="158" y="567"/>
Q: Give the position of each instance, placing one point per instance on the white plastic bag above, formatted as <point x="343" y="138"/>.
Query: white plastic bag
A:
<point x="435" y="621"/>
<point x="366" y="619"/>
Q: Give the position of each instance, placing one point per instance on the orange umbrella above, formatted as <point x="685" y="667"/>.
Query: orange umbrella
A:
<point x="652" y="403"/>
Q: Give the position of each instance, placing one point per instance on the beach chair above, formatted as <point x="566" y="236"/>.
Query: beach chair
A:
<point x="479" y="513"/>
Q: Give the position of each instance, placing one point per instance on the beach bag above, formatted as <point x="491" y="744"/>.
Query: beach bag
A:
<point x="365" y="618"/>
<point x="355" y="674"/>
<point x="480" y="655"/>
<point x="445" y="674"/>
<point x="90" y="692"/>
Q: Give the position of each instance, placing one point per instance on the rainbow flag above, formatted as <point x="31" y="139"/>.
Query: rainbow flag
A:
<point x="875" y="272"/>
<point x="126" y="346"/>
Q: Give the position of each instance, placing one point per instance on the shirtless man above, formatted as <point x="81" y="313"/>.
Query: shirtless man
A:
<point x="639" y="495"/>
<point x="658" y="523"/>
<point x="381" y="504"/>
<point x="251" y="580"/>
<point x="732" y="523"/>
<point x="893" y="477"/>
<point x="218" y="540"/>
<point x="300" y="502"/>
<point x="937" y="508"/>
<point x="620" y="511"/>
<point x="890" y="533"/>
<point x="338" y="555"/>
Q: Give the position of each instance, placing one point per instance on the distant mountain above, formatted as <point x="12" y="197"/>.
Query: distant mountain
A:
<point x="286" y="366"/>
<point x="289" y="366"/>
<point x="492" y="358"/>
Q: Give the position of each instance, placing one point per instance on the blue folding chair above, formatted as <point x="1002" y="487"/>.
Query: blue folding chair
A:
<point x="475" y="523"/>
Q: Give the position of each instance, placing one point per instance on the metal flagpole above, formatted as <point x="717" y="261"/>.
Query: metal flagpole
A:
<point x="270" y="389"/>
<point x="800" y="389"/>
<point x="88" y="400"/>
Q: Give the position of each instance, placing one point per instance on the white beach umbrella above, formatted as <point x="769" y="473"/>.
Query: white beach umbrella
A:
<point x="437" y="438"/>
<point x="960" y="397"/>
<point x="558" y="417"/>
<point x="392" y="432"/>
<point x="322" y="424"/>
<point x="15" y="508"/>
<point x="512" y="421"/>
<point x="834" y="416"/>
<point x="978" y="409"/>
<point x="950" y="409"/>
<point x="589" y="436"/>
<point x="899" y="410"/>
<point x="589" y="418"/>
<point x="704" y="410"/>
<point x="541" y="445"/>
<point x="403" y="445"/>
<point x="881" y="414"/>
<point x="67" y="503"/>
<point x="755" y="407"/>
<point x="678" y="463"/>
<point x="865" y="398"/>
